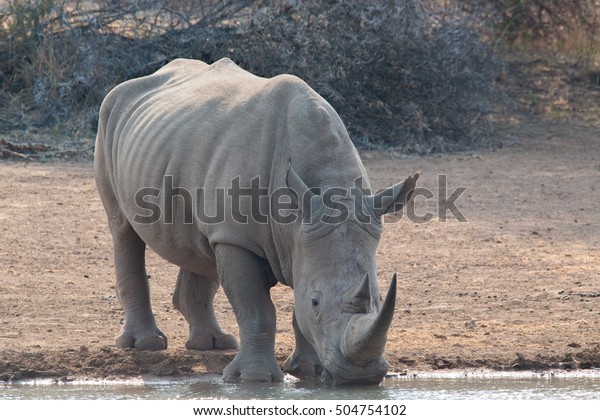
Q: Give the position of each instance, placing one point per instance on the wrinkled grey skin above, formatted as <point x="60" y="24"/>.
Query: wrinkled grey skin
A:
<point x="206" y="125"/>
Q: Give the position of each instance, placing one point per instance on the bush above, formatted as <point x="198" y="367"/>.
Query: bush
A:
<point x="398" y="74"/>
<point x="569" y="28"/>
<point x="539" y="19"/>
<point x="59" y="58"/>
<point x="395" y="72"/>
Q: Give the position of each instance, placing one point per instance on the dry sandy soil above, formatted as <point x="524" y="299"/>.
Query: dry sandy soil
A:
<point x="515" y="286"/>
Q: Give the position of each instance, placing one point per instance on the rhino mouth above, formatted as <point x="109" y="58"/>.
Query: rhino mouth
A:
<point x="358" y="359"/>
<point x="351" y="374"/>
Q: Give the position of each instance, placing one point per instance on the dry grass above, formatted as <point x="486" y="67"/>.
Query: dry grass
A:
<point x="570" y="29"/>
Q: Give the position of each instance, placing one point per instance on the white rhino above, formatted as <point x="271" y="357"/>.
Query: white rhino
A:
<point x="183" y="155"/>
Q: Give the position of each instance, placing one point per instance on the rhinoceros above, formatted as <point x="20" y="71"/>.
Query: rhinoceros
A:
<point x="193" y="133"/>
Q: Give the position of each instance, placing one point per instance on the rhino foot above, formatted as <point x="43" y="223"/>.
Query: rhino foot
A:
<point x="211" y="342"/>
<point x="235" y="372"/>
<point x="151" y="342"/>
<point x="303" y="367"/>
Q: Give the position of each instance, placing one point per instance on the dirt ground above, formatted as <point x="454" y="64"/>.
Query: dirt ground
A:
<point x="515" y="286"/>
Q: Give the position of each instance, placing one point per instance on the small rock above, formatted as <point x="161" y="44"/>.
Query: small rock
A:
<point x="407" y="361"/>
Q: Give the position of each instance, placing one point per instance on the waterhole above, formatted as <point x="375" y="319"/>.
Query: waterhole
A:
<point x="456" y="386"/>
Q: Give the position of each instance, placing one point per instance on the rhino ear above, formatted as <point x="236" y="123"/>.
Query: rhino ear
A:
<point x="303" y="196"/>
<point x="393" y="198"/>
<point x="295" y="183"/>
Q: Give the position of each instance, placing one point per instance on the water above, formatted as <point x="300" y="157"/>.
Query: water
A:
<point x="422" y="386"/>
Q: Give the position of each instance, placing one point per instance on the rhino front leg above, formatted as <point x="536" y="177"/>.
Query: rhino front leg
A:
<point x="139" y="330"/>
<point x="304" y="362"/>
<point x="246" y="283"/>
<point x="193" y="297"/>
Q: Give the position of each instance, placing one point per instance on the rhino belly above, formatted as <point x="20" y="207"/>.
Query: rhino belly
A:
<point x="180" y="244"/>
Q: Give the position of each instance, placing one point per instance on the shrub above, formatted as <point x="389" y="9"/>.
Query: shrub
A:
<point x="538" y="19"/>
<point x="398" y="73"/>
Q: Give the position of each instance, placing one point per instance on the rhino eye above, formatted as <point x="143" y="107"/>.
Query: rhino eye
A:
<point x="315" y="302"/>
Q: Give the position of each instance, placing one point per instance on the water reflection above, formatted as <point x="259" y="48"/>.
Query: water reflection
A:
<point x="394" y="388"/>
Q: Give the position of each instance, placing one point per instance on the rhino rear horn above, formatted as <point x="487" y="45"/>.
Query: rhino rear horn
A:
<point x="365" y="336"/>
<point x="358" y="299"/>
<point x="364" y="290"/>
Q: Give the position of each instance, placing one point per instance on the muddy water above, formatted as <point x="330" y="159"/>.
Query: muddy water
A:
<point x="419" y="386"/>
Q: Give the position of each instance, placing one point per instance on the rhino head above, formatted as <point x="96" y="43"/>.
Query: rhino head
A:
<point x="338" y="308"/>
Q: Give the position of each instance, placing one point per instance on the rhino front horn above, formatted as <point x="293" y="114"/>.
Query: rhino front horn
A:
<point x="366" y="334"/>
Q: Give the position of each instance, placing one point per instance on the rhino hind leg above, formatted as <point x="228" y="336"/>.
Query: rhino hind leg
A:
<point x="139" y="329"/>
<point x="304" y="363"/>
<point x="193" y="297"/>
<point x="246" y="282"/>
